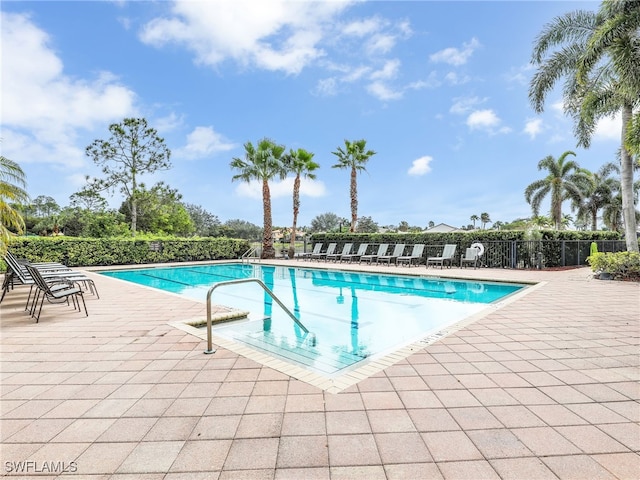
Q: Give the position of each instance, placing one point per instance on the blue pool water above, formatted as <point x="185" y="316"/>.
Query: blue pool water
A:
<point x="353" y="315"/>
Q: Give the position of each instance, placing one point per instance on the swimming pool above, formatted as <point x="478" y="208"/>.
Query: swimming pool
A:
<point x="353" y="315"/>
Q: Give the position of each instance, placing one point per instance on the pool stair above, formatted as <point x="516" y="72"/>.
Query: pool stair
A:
<point x="307" y="351"/>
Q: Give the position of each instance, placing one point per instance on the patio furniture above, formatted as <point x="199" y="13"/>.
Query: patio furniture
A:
<point x="330" y="250"/>
<point x="362" y="249"/>
<point x="398" y="250"/>
<point x="447" y="256"/>
<point x="382" y="249"/>
<point x="54" y="291"/>
<point x="415" y="255"/>
<point x="316" y="250"/>
<point x="346" y="249"/>
<point x="471" y="256"/>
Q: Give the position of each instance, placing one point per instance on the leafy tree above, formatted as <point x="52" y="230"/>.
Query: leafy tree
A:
<point x="431" y="224"/>
<point x="403" y="226"/>
<point x="88" y="199"/>
<point x="498" y="224"/>
<point x="559" y="183"/>
<point x="134" y="149"/>
<point x="597" y="192"/>
<point x="206" y="224"/>
<point x="300" y="162"/>
<point x="474" y="218"/>
<point x="160" y="211"/>
<point x="354" y="157"/>
<point x="484" y="219"/>
<point x="325" y="222"/>
<point x="45" y="206"/>
<point x="78" y="222"/>
<point x="263" y="163"/>
<point x="12" y="190"/>
<point x="598" y="55"/>
<point x="367" y="225"/>
<point x="240" y="229"/>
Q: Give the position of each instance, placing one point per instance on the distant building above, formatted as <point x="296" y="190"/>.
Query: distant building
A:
<point x="442" y="228"/>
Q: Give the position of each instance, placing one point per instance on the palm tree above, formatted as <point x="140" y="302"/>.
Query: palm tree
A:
<point x="485" y="218"/>
<point x="474" y="218"/>
<point x="262" y="163"/>
<point x="301" y="163"/>
<point x="12" y="191"/>
<point x="597" y="192"/>
<point x="559" y="182"/>
<point x="353" y="157"/>
<point x="599" y="57"/>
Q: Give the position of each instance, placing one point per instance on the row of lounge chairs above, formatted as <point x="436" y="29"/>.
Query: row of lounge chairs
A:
<point x="380" y="256"/>
<point x="397" y="256"/>
<point x="49" y="281"/>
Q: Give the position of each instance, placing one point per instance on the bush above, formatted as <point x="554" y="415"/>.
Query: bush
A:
<point x="621" y="265"/>
<point x="126" y="251"/>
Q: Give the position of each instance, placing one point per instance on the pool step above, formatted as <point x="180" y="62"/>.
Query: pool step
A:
<point x="319" y="357"/>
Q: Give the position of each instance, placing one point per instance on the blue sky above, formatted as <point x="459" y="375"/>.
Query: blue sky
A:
<point x="438" y="90"/>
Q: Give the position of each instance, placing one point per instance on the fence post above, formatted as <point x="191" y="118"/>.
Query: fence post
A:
<point x="562" y="259"/>
<point x="513" y="254"/>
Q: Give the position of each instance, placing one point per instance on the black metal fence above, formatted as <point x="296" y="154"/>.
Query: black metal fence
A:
<point x="524" y="254"/>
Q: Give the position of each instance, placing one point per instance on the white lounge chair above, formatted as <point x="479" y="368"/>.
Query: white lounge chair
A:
<point x="362" y="250"/>
<point x="382" y="249"/>
<point x="415" y="255"/>
<point x="398" y="250"/>
<point x="346" y="249"/>
<point x="447" y="256"/>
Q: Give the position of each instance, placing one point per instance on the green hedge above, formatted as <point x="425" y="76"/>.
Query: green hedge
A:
<point x="558" y="248"/>
<point x="125" y="251"/>
<point x="463" y="238"/>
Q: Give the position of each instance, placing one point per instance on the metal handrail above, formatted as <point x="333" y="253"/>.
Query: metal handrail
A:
<point x="249" y="254"/>
<point x="245" y="280"/>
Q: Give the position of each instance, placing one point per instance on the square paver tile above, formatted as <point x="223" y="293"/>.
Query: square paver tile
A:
<point x="520" y="468"/>
<point x="450" y="446"/>
<point x="402" y="448"/>
<point x="347" y="422"/>
<point x="252" y="453"/>
<point x="577" y="467"/>
<point x="351" y="450"/>
<point x="307" y="451"/>
<point x="201" y="456"/>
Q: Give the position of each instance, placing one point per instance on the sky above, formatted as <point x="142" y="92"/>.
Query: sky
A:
<point x="438" y="89"/>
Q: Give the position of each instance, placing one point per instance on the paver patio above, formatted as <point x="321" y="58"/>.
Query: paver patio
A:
<point x="544" y="387"/>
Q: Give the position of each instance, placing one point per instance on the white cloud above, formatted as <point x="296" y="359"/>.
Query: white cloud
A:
<point x="275" y="35"/>
<point x="454" y="78"/>
<point x="455" y="56"/>
<point x="43" y="110"/>
<point x="421" y="166"/>
<point x="326" y="87"/>
<point x="462" y="105"/>
<point x="388" y="71"/>
<point x="362" y="28"/>
<point x="486" y="120"/>
<point x="520" y="75"/>
<point x="609" y="128"/>
<point x="533" y="127"/>
<point x="204" y="142"/>
<point x="383" y="92"/>
<point x="284" y="188"/>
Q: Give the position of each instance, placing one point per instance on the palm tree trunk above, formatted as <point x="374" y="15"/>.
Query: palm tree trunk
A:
<point x="296" y="210"/>
<point x="556" y="206"/>
<point x="267" y="231"/>
<point x="594" y="220"/>
<point x="354" y="200"/>
<point x="626" y="185"/>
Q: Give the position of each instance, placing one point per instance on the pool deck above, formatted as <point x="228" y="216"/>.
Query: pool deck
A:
<point x="544" y="387"/>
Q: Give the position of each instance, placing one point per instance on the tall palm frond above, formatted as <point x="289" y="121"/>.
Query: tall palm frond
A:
<point x="12" y="191"/>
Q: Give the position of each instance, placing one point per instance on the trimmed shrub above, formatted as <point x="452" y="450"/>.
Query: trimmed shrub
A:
<point x="87" y="252"/>
<point x="621" y="265"/>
